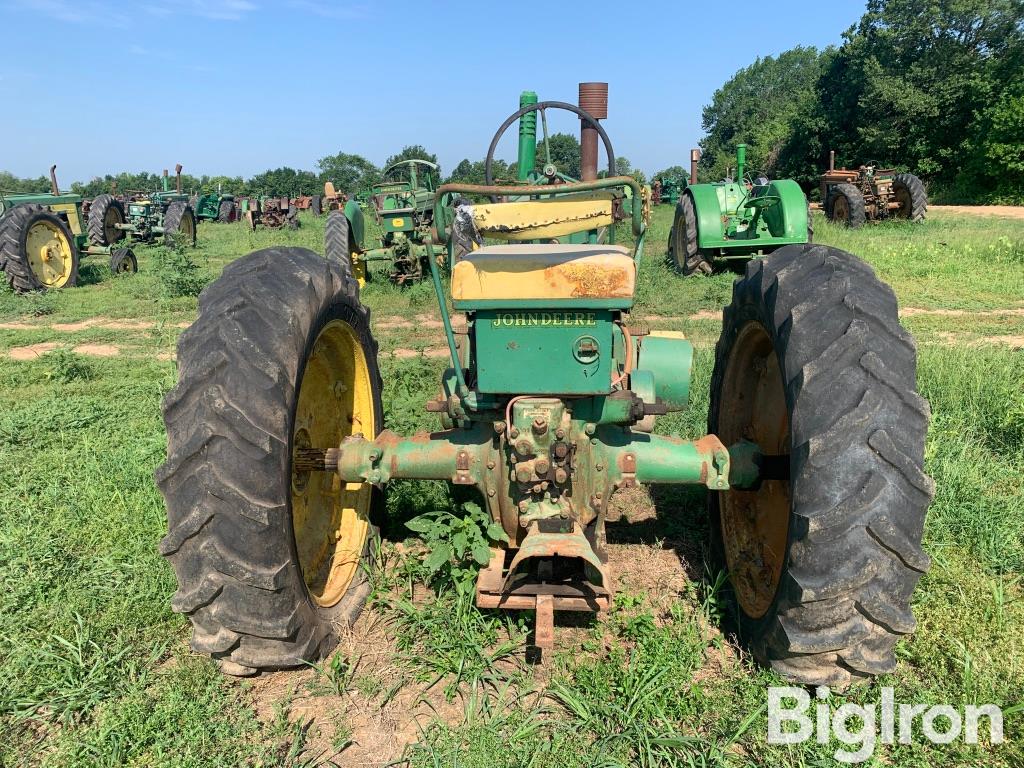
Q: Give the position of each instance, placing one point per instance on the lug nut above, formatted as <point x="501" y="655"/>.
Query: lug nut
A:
<point x="523" y="474"/>
<point x="524" y="448"/>
<point x="542" y="466"/>
<point x="561" y="450"/>
<point x="561" y="476"/>
<point x="560" y="433"/>
<point x="540" y="425"/>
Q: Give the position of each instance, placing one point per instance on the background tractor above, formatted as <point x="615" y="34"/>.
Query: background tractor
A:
<point x="215" y="206"/>
<point x="871" y="194"/>
<point x="43" y="236"/>
<point x="403" y="204"/>
<point x="269" y="212"/>
<point x="167" y="214"/>
<point x="278" y="454"/>
<point x="736" y="220"/>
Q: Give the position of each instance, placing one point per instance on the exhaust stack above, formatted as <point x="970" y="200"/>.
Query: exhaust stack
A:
<point x="593" y="99"/>
<point x="53" y="180"/>
<point x="694" y="160"/>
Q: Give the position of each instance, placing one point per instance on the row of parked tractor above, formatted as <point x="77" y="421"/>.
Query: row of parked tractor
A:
<point x="44" y="235"/>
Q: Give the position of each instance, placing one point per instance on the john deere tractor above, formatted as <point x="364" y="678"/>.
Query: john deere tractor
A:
<point x="736" y="220"/>
<point x="215" y="206"/>
<point x="166" y="214"/>
<point x="278" y="455"/>
<point x="403" y="203"/>
<point x="43" y="236"/>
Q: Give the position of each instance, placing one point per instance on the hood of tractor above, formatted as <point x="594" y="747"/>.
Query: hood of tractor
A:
<point x="543" y="316"/>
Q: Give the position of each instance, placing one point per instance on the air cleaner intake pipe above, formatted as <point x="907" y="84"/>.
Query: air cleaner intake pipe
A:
<point x="593" y="99"/>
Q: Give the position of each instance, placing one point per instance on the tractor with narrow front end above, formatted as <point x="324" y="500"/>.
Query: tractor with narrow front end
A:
<point x="44" y="235"/>
<point x="736" y="220"/>
<point x="403" y="205"/>
<point x="167" y="214"/>
<point x="278" y="455"/>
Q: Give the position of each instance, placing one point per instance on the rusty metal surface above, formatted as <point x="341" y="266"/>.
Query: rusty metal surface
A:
<point x="544" y="631"/>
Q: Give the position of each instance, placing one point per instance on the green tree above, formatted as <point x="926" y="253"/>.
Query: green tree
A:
<point x="757" y="107"/>
<point x="565" y="154"/>
<point x="348" y="172"/>
<point x="284" y="181"/>
<point x="468" y="172"/>
<point x="14" y="185"/>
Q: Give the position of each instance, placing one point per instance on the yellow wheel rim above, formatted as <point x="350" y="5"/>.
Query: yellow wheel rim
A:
<point x="330" y="518"/>
<point x="755" y="524"/>
<point x="50" y="254"/>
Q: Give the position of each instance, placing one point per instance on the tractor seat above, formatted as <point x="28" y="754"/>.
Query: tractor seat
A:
<point x="545" y="274"/>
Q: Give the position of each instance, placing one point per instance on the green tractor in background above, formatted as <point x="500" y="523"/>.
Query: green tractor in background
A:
<point x="403" y="204"/>
<point x="215" y="206"/>
<point x="278" y="456"/>
<point x="736" y="220"/>
<point x="154" y="215"/>
<point x="43" y="236"/>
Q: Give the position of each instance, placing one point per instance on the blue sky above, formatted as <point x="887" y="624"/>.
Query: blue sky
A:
<point x="238" y="86"/>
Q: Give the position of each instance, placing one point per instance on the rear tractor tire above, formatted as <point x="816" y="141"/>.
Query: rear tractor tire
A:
<point x="813" y="364"/>
<point x="37" y="251"/>
<point x="180" y="220"/>
<point x="682" y="241"/>
<point x="846" y="206"/>
<point x="270" y="560"/>
<point x="910" y="194"/>
<point x="105" y="214"/>
<point x="316" y="205"/>
<point x="226" y="212"/>
<point x="340" y="247"/>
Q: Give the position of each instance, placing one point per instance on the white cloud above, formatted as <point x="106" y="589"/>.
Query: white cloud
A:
<point x="108" y="13"/>
<point x="331" y="10"/>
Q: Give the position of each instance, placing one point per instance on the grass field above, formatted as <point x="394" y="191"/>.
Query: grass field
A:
<point x="95" y="669"/>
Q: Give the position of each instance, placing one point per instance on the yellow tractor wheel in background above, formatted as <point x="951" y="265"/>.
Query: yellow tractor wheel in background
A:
<point x="37" y="250"/>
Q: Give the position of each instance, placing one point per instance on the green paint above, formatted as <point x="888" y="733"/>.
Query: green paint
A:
<point x="527" y="137"/>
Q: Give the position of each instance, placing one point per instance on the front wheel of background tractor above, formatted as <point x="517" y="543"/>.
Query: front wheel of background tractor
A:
<point x="847" y="206"/>
<point x="270" y="560"/>
<point x="316" y="205"/>
<point x="180" y="220"/>
<point x="682" y="240"/>
<point x="226" y="212"/>
<point x="37" y="251"/>
<point x="813" y="364"/>
<point x="810" y="224"/>
<point x="910" y="194"/>
<point x="340" y="247"/>
<point x="105" y="214"/>
<point x="123" y="262"/>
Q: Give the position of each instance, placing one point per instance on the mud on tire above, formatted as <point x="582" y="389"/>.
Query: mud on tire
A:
<point x="227" y="480"/>
<point x="856" y="432"/>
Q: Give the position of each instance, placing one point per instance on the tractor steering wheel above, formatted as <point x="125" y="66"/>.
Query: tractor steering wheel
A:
<point x="541" y="107"/>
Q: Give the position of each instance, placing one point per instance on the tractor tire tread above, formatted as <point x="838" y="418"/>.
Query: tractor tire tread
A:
<point x="97" y="215"/>
<point x="918" y="194"/>
<point x="14" y="264"/>
<point x="854" y="204"/>
<point x="229" y="536"/>
<point x="859" y="492"/>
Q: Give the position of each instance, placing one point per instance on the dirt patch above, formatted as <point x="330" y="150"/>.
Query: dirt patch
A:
<point x="404" y="354"/>
<point x="1017" y="342"/>
<point x="17" y="326"/>
<point x="32" y="351"/>
<point x="98" y="350"/>
<point x="1003" y="211"/>
<point x="1008" y="311"/>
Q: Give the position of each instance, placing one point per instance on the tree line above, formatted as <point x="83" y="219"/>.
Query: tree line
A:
<point x="931" y="86"/>
<point x="347" y="171"/>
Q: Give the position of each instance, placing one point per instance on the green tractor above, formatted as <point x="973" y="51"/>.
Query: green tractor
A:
<point x="736" y="220"/>
<point x="403" y="204"/>
<point x="166" y="215"/>
<point x="278" y="455"/>
<point x="215" y="206"/>
<point x="43" y="236"/>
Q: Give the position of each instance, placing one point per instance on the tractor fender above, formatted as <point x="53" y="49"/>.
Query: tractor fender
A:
<point x="708" y="208"/>
<point x="357" y="227"/>
<point x="789" y="217"/>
